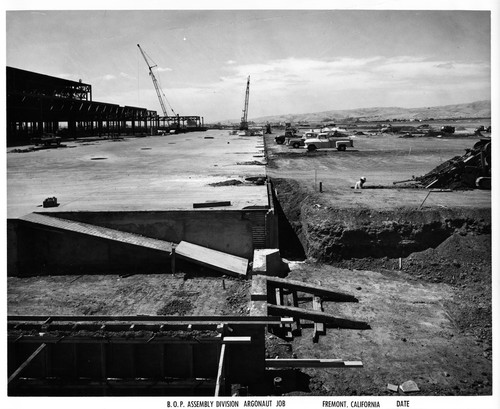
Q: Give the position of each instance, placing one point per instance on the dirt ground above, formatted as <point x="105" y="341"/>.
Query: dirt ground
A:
<point x="430" y="308"/>
<point x="142" y="294"/>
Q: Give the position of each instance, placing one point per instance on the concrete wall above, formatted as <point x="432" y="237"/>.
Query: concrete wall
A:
<point x="12" y="246"/>
<point x="34" y="249"/>
<point x="224" y="230"/>
<point x="38" y="250"/>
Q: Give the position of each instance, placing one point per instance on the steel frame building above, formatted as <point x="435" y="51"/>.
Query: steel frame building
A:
<point x="40" y="104"/>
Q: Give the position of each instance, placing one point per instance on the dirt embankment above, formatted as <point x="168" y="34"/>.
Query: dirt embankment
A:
<point x="330" y="234"/>
<point x="451" y="246"/>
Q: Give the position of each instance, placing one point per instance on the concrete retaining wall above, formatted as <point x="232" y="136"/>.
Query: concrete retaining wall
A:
<point x="35" y="249"/>
<point x="222" y="230"/>
<point x="38" y="250"/>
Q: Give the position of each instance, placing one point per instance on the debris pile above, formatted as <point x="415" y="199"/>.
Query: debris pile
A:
<point x="472" y="170"/>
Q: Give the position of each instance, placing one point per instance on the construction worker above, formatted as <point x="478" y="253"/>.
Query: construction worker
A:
<point x="359" y="184"/>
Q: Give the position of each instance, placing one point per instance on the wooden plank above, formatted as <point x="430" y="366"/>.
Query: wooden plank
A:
<point x="312" y="363"/>
<point x="163" y="319"/>
<point x="237" y="340"/>
<point x="220" y="371"/>
<point x="211" y="204"/>
<point x="310" y="288"/>
<point x="217" y="260"/>
<point x="279" y="296"/>
<point x="205" y="384"/>
<point x="316" y="316"/>
<point x="319" y="327"/>
<point x="15" y="375"/>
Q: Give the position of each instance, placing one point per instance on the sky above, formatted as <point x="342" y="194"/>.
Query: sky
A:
<point x="299" y="61"/>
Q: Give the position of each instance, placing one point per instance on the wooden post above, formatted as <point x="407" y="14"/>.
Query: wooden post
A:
<point x="172" y="260"/>
<point x="190" y="360"/>
<point x="75" y="361"/>
<point x="319" y="327"/>
<point x="103" y="368"/>
<point x="295" y="302"/>
<point x="287" y="328"/>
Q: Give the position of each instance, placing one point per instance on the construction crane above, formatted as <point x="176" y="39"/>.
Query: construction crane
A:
<point x="244" y="122"/>
<point x="155" y="82"/>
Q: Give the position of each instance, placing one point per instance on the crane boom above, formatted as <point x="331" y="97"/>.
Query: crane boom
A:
<point x="155" y="82"/>
<point x="244" y="121"/>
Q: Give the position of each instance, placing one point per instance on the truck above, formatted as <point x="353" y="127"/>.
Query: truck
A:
<point x="296" y="141"/>
<point x="333" y="139"/>
<point x="289" y="133"/>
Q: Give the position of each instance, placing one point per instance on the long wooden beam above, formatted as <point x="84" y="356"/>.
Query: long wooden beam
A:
<point x="310" y="288"/>
<point x="316" y="316"/>
<point x="312" y="363"/>
<point x="145" y="318"/>
<point x="220" y="371"/>
<point x="43" y="384"/>
<point x="25" y="364"/>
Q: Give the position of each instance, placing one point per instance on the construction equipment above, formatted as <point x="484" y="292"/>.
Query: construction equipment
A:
<point x="469" y="171"/>
<point x="159" y="92"/>
<point x="244" y="121"/>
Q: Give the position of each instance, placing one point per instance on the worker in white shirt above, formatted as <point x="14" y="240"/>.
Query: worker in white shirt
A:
<point x="359" y="184"/>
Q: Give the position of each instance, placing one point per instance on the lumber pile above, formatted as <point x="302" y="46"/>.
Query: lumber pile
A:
<point x="283" y="301"/>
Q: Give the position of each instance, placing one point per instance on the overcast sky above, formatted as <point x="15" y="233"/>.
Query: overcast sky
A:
<point x="299" y="61"/>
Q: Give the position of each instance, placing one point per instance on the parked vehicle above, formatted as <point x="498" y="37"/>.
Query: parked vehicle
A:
<point x="329" y="140"/>
<point x="296" y="142"/>
<point x="289" y="133"/>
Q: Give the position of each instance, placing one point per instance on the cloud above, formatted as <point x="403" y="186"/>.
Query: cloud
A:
<point x="447" y="65"/>
<point x="160" y="69"/>
<point x="109" y="77"/>
<point x="127" y="76"/>
<point x="300" y="85"/>
<point x="230" y="62"/>
<point x="299" y="74"/>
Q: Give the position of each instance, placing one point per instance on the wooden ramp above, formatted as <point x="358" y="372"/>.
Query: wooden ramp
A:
<point x="217" y="260"/>
<point x="51" y="222"/>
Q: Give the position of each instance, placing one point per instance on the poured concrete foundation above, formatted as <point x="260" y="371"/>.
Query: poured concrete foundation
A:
<point x="138" y="186"/>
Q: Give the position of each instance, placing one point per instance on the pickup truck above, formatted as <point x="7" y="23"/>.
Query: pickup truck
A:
<point x="289" y="133"/>
<point x="328" y="140"/>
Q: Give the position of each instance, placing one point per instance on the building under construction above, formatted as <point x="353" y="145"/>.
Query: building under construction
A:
<point x="40" y="105"/>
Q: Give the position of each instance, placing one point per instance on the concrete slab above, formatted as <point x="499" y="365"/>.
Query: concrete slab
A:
<point x="137" y="174"/>
<point x="217" y="260"/>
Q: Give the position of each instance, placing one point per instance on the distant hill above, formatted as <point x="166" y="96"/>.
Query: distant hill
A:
<point x="478" y="109"/>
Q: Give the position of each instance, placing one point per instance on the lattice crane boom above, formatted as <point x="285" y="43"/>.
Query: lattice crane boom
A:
<point x="244" y="118"/>
<point x="155" y="82"/>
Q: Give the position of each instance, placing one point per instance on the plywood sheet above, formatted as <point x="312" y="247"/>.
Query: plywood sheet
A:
<point x="218" y="260"/>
